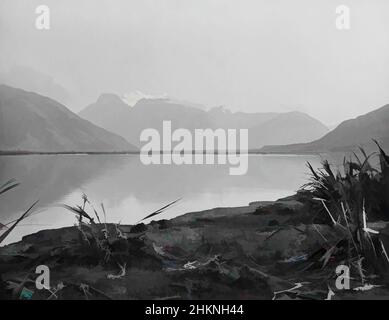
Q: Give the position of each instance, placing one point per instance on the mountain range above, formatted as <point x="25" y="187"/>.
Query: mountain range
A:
<point x="32" y="122"/>
<point x="113" y="114"/>
<point x="347" y="136"/>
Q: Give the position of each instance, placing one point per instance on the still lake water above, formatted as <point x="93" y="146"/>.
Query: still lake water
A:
<point x="131" y="190"/>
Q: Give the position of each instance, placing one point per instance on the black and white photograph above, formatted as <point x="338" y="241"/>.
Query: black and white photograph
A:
<point x="194" y="150"/>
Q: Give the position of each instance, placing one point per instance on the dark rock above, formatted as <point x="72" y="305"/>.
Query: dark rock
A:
<point x="161" y="224"/>
<point x="273" y="223"/>
<point x="138" y="228"/>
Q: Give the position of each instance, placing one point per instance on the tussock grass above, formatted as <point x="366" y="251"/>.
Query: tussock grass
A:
<point x="347" y="199"/>
<point x="108" y="240"/>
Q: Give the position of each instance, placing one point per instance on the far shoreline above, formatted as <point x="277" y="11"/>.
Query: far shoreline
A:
<point x="24" y="153"/>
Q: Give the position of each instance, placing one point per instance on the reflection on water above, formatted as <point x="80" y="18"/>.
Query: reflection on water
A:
<point x="131" y="190"/>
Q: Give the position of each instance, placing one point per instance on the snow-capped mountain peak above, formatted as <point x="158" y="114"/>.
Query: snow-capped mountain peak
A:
<point x="133" y="97"/>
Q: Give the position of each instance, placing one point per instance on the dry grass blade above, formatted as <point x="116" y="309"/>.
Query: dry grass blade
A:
<point x="97" y="215"/>
<point x="79" y="211"/>
<point x="105" y="221"/>
<point x="314" y="174"/>
<point x="384" y="156"/>
<point x="327" y="256"/>
<point x="160" y="210"/>
<point x="10" y="184"/>
<point x="105" y="215"/>
<point x="384" y="251"/>
<point x="329" y="213"/>
<point x="23" y="216"/>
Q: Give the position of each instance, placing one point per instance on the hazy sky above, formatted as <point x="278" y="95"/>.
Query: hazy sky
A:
<point x="249" y="55"/>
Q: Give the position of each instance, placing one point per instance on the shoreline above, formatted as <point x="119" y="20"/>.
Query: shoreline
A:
<point x="22" y="153"/>
<point x="257" y="251"/>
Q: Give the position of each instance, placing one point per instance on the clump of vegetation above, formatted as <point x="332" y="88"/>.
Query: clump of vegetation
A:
<point x="349" y="199"/>
<point x="108" y="242"/>
<point x="360" y="187"/>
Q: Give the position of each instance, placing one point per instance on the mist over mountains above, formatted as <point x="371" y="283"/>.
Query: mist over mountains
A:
<point x="113" y="114"/>
<point x="32" y="122"/>
<point x="32" y="80"/>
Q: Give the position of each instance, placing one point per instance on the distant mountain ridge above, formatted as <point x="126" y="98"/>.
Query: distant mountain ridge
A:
<point x="286" y="128"/>
<point x="32" y="122"/>
<point x="347" y="136"/>
<point x="111" y="113"/>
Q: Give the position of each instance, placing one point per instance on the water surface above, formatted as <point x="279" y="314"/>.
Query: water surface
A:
<point x="131" y="190"/>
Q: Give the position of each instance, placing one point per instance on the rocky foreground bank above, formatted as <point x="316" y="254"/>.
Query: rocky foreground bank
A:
<point x="267" y="250"/>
